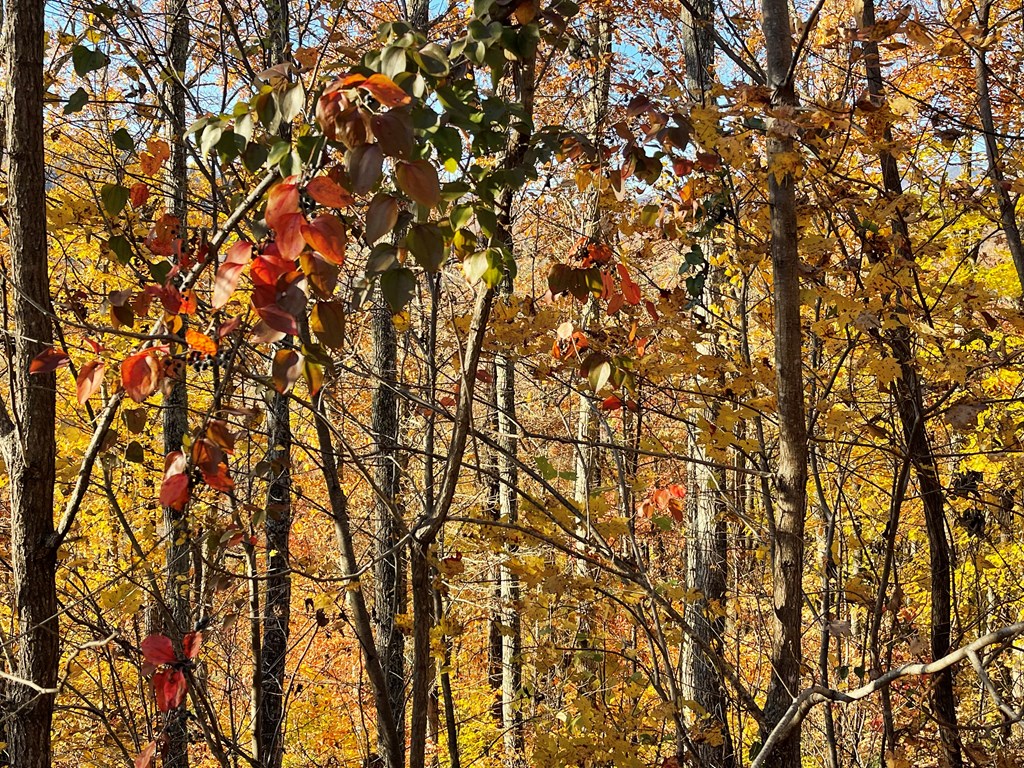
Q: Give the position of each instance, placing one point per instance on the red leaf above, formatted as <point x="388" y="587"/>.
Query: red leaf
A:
<point x="90" y="377"/>
<point x="174" y="490"/>
<point x="191" y="643"/>
<point x="145" y="757"/>
<point x="158" y="650"/>
<point x="267" y="268"/>
<point x="386" y="91"/>
<point x="328" y="192"/>
<point x="140" y="375"/>
<point x="630" y="290"/>
<point x="326" y="234"/>
<point x="48" y="361"/>
<point x="282" y="200"/>
<point x="277" y="319"/>
<point x="289" y="235"/>
<point x="615" y="303"/>
<point x="612" y="403"/>
<point x="170" y="688"/>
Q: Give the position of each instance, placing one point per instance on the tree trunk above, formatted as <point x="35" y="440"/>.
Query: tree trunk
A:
<point x="276" y="612"/>
<point x="910" y="407"/>
<point x="177" y="534"/>
<point x="787" y="529"/>
<point x="27" y="434"/>
<point x="394" y="747"/>
<point x="706" y="528"/>
<point x="278" y="588"/>
<point x="389" y="566"/>
<point x="1007" y="207"/>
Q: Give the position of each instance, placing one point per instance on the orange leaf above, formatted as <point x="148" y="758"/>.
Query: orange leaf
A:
<point x="191" y="643"/>
<point x="326" y="234"/>
<point x="145" y="757"/>
<point x="328" y="192"/>
<point x="225" y="282"/>
<point x="283" y="199"/>
<point x="386" y="91"/>
<point x="139" y="194"/>
<point x="289" y="235"/>
<point x="140" y="375"/>
<point x="200" y="342"/>
<point x="90" y="377"/>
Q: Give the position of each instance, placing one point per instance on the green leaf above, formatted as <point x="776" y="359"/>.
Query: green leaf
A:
<point x="398" y="286"/>
<point x="114" y="198"/>
<point x="86" y="60"/>
<point x="76" y="101"/>
<point x="122" y="139"/>
<point x="121" y="248"/>
<point x="426" y="244"/>
<point x="484" y="265"/>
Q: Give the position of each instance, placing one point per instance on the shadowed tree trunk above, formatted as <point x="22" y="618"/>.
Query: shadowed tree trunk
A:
<point x="910" y="407"/>
<point x="1007" y="206"/>
<point x="787" y="528"/>
<point x="178" y="550"/>
<point x="27" y="420"/>
<point x="276" y="613"/>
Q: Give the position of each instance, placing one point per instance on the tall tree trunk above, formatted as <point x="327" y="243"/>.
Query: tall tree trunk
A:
<point x="177" y="534"/>
<point x="361" y="620"/>
<point x="278" y="588"/>
<point x="910" y="407"/>
<point x="1007" y="206"/>
<point x="706" y="528"/>
<point x="521" y="87"/>
<point x="27" y="435"/>
<point x="787" y="528"/>
<point x="389" y="567"/>
<point x="276" y="612"/>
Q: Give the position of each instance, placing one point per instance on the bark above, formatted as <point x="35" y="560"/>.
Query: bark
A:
<point x="277" y="596"/>
<point x="276" y="611"/>
<point x="1007" y="206"/>
<point x="361" y="620"/>
<point x="27" y="434"/>
<point x="910" y="407"/>
<point x="522" y="86"/>
<point x="389" y="566"/>
<point x="787" y="527"/>
<point x="706" y="569"/>
<point x="706" y="528"/>
<point x="178" y="548"/>
<point x="698" y="45"/>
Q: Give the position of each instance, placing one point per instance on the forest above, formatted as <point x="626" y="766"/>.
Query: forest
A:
<point x="511" y="384"/>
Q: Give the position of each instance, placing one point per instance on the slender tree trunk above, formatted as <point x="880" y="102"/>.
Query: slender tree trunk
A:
<point x="389" y="567"/>
<point x="277" y="590"/>
<point x="27" y="435"/>
<point x="910" y="407"/>
<point x="276" y="612"/>
<point x="706" y="530"/>
<point x="1007" y="206"/>
<point x="177" y="533"/>
<point x="787" y="528"/>
<point x="522" y="85"/>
